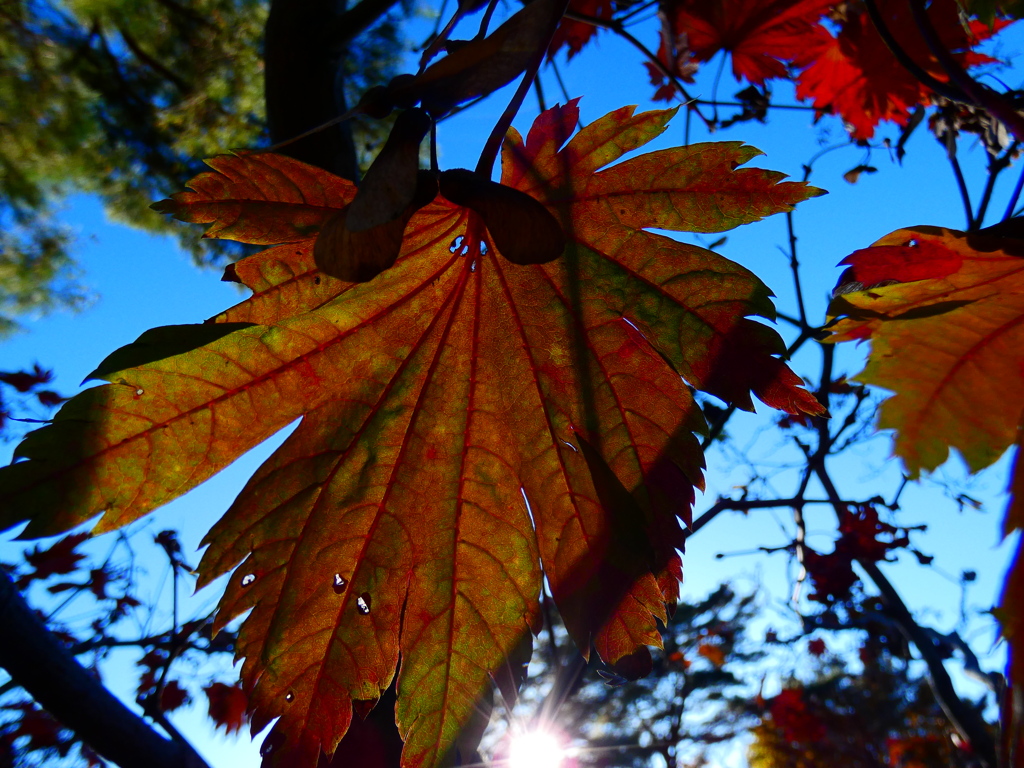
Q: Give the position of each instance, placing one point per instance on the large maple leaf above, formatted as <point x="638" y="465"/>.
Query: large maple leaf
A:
<point x="944" y="312"/>
<point x="762" y="36"/>
<point x="855" y="75"/>
<point x="466" y="424"/>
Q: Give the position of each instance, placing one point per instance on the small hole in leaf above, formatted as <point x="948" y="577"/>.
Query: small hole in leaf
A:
<point x="912" y="244"/>
<point x="456" y="244"/>
<point x="363" y="603"/>
<point x="289" y="697"/>
<point x="140" y="392"/>
<point x="472" y="266"/>
<point x="316" y="281"/>
<point x="248" y="579"/>
<point x="339" y="583"/>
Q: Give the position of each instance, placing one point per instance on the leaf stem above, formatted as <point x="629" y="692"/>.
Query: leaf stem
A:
<point x="490" y="152"/>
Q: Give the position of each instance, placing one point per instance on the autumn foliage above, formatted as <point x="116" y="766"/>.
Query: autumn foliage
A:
<point x="495" y="381"/>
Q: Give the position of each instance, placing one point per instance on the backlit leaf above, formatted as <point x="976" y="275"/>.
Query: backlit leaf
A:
<point x="572" y="34"/>
<point x="464" y="423"/>
<point x="762" y="36"/>
<point x="944" y="312"/>
<point x="855" y="75"/>
<point x="948" y="339"/>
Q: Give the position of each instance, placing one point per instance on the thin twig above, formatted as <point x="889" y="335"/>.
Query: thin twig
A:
<point x="961" y="183"/>
<point x="745" y="505"/>
<point x="621" y="31"/>
<point x="37" y="661"/>
<point x="1018" y="187"/>
<point x="715" y="103"/>
<point x="976" y="93"/>
<point x="995" y="167"/>
<point x="561" y="83"/>
<point x="794" y="267"/>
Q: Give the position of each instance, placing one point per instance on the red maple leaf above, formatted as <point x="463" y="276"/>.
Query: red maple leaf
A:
<point x="675" y="55"/>
<point x="791" y="716"/>
<point x="763" y="36"/>
<point x="831" y="574"/>
<point x="23" y="381"/>
<point x="173" y="696"/>
<point x="574" y="34"/>
<point x="58" y="558"/>
<point x="860" y="529"/>
<point x="227" y="706"/>
<point x="855" y="75"/>
<point x="451" y="380"/>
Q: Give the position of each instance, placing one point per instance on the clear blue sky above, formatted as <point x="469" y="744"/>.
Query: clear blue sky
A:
<point x="141" y="282"/>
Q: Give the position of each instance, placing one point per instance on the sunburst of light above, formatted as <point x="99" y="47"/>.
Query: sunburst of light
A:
<point x="536" y="749"/>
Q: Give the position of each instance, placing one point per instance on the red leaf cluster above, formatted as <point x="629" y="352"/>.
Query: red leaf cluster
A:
<point x="227" y="706"/>
<point x="855" y="75"/>
<point x="24" y="381"/>
<point x="713" y="652"/>
<point x="34" y="730"/>
<point x="572" y="34"/>
<point x="27" y="383"/>
<point x="791" y="715"/>
<point x="914" y="751"/>
<point x="763" y="37"/>
<point x="151" y="663"/>
<point x="173" y="696"/>
<point x="859" y="531"/>
<point x="60" y="557"/>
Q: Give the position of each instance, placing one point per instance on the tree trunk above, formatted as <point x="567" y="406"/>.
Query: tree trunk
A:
<point x="303" y="86"/>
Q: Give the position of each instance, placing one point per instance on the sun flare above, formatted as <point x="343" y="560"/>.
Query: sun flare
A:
<point x="535" y="749"/>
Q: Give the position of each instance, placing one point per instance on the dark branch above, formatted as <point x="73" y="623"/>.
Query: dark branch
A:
<point x="37" y="661"/>
<point x="966" y="720"/>
<point x="976" y="93"/>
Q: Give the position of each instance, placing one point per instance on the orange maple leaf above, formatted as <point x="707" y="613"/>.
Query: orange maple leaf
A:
<point x="465" y="422"/>
<point x="713" y="652"/>
<point x="944" y="312"/>
<point x="855" y="75"/>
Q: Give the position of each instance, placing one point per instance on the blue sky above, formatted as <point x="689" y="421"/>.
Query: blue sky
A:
<point x="142" y="281"/>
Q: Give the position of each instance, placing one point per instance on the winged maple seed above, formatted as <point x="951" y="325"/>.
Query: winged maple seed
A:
<point x="466" y="424"/>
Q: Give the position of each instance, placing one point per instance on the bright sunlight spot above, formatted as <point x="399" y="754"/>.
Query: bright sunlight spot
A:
<point x="535" y="749"/>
